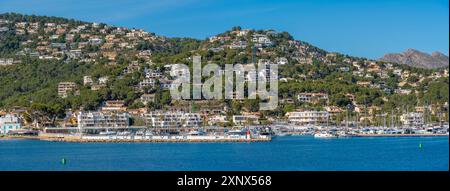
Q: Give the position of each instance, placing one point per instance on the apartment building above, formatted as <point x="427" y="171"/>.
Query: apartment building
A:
<point x="6" y="61"/>
<point x="87" y="81"/>
<point x="65" y="87"/>
<point x="103" y="119"/>
<point x="312" y="97"/>
<point x="412" y="119"/>
<point x="114" y="105"/>
<point x="308" y="117"/>
<point x="172" y="119"/>
<point x="9" y="122"/>
<point x="245" y="119"/>
<point x="147" y="98"/>
<point x="148" y="82"/>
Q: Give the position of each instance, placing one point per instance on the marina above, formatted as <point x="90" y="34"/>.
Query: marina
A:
<point x="160" y="138"/>
<point x="220" y="134"/>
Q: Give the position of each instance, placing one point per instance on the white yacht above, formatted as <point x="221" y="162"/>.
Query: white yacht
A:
<point x="194" y="132"/>
<point x="107" y="133"/>
<point x="324" y="135"/>
<point x="123" y="133"/>
<point x="148" y="133"/>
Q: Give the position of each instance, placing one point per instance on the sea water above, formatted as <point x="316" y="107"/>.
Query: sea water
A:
<point x="299" y="153"/>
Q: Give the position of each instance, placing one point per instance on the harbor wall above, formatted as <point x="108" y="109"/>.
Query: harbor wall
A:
<point x="151" y="138"/>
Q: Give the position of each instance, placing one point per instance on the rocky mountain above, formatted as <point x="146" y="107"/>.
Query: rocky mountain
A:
<point x="418" y="59"/>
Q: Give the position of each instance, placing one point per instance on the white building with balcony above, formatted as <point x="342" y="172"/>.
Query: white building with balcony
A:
<point x="312" y="97"/>
<point x="308" y="117"/>
<point x="245" y="119"/>
<point x="148" y="82"/>
<point x="412" y="119"/>
<point x="65" y="87"/>
<point x="9" y="122"/>
<point x="173" y="119"/>
<point x="103" y="119"/>
<point x="87" y="81"/>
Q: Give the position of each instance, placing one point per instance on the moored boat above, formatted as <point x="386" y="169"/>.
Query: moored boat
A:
<point x="108" y="133"/>
<point x="324" y="135"/>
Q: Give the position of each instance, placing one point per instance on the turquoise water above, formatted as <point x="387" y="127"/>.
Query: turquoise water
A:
<point x="283" y="153"/>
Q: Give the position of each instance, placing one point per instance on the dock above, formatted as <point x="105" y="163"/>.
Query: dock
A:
<point x="399" y="135"/>
<point x="156" y="139"/>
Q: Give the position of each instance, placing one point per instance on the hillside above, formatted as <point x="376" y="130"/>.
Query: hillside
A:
<point x="115" y="63"/>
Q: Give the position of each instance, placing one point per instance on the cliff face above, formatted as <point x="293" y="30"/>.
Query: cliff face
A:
<point x="418" y="59"/>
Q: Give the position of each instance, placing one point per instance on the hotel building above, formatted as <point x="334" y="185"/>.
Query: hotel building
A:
<point x="173" y="119"/>
<point x="101" y="119"/>
<point x="308" y="117"/>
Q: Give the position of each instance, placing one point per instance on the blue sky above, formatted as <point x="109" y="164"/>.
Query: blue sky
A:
<point x="354" y="27"/>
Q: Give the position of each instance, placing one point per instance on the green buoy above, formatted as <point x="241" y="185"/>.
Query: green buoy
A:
<point x="63" y="161"/>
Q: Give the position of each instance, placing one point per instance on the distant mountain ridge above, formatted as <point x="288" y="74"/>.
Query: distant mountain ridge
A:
<point x="418" y="59"/>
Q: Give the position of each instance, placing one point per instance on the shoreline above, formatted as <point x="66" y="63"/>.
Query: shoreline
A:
<point x="156" y="140"/>
<point x="399" y="135"/>
<point x="78" y="139"/>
